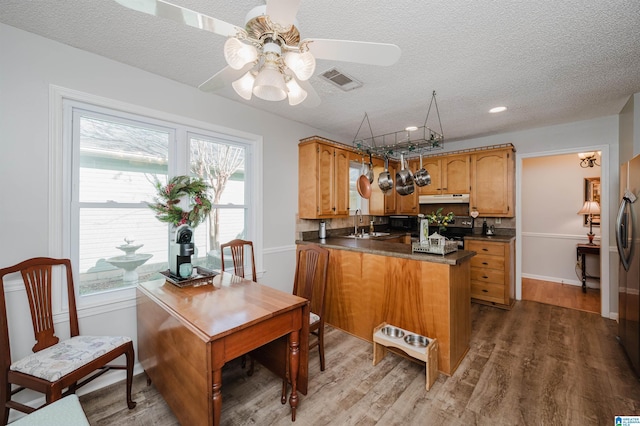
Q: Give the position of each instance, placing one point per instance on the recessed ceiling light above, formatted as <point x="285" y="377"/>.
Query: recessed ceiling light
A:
<point x="498" y="109"/>
<point x="411" y="128"/>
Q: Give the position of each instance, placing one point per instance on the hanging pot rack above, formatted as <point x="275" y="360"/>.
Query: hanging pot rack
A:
<point x="407" y="142"/>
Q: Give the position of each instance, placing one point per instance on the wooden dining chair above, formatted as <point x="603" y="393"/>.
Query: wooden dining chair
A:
<point x="57" y="367"/>
<point x="237" y="248"/>
<point x="310" y="282"/>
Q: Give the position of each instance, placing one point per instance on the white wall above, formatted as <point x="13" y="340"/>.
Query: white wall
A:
<point x="551" y="227"/>
<point x="30" y="65"/>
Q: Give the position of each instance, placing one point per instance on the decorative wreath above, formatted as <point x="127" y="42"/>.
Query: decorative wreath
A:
<point x="166" y="201"/>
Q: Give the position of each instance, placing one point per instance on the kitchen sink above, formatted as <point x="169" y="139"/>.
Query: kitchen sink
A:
<point x="371" y="235"/>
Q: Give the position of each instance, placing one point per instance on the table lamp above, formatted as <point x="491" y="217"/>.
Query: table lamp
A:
<point x="590" y="208"/>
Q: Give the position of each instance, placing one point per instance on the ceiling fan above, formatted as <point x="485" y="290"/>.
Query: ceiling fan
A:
<point x="266" y="58"/>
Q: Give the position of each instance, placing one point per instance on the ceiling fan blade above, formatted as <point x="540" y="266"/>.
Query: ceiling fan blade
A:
<point x="182" y="15"/>
<point x="283" y="12"/>
<point x="313" y="100"/>
<point x="224" y="77"/>
<point x="361" y="52"/>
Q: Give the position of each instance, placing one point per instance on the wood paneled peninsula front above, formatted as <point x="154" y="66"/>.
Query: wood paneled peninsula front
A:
<point x="373" y="281"/>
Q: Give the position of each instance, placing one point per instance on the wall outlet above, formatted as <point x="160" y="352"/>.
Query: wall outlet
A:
<point x="498" y="220"/>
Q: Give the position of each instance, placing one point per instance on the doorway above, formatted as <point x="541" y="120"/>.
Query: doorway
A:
<point x="550" y="194"/>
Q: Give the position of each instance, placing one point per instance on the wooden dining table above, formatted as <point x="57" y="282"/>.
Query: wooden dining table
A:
<point x="187" y="334"/>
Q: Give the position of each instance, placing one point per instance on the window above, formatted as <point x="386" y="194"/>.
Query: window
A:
<point x="115" y="159"/>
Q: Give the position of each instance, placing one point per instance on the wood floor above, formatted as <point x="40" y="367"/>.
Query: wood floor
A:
<point x="534" y="365"/>
<point x="566" y="295"/>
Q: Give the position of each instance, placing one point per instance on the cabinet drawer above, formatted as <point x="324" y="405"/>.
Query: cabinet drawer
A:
<point x="487" y="291"/>
<point x="488" y="262"/>
<point x="482" y="247"/>
<point x="488" y="275"/>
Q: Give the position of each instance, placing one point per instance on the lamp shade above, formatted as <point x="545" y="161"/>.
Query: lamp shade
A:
<point x="296" y="93"/>
<point x="238" y="54"/>
<point x="590" y="207"/>
<point x="302" y="64"/>
<point x="269" y="84"/>
<point x="244" y="85"/>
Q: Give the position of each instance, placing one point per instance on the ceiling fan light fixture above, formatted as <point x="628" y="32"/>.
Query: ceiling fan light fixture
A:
<point x="269" y="84"/>
<point x="238" y="54"/>
<point x="244" y="85"/>
<point x="296" y="93"/>
<point x="302" y="64"/>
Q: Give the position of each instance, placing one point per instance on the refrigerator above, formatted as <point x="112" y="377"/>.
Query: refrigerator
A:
<point x="628" y="242"/>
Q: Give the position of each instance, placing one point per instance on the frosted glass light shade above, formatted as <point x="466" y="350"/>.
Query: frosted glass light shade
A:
<point x="244" y="85"/>
<point x="296" y="93"/>
<point x="269" y="84"/>
<point x="302" y="64"/>
<point x="238" y="54"/>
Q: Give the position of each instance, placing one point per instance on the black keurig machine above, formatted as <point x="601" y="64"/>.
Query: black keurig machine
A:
<point x="180" y="251"/>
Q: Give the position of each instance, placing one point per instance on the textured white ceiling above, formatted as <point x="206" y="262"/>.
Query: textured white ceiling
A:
<point x="548" y="61"/>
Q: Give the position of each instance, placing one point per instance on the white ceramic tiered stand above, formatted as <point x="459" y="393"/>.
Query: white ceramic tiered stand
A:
<point x="428" y="354"/>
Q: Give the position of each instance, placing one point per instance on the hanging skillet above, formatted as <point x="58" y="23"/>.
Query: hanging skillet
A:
<point x="363" y="185"/>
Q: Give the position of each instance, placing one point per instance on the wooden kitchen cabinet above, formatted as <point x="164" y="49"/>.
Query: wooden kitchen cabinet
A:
<point x="323" y="179"/>
<point x="493" y="272"/>
<point x="449" y="174"/>
<point x="492" y="182"/>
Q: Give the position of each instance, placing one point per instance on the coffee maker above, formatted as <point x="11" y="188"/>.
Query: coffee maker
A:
<point x="181" y="249"/>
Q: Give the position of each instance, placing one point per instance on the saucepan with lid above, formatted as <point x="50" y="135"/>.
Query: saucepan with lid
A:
<point x="385" y="182"/>
<point x="404" y="179"/>
<point x="422" y="176"/>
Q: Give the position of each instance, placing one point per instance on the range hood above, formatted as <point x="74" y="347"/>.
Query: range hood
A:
<point x="444" y="199"/>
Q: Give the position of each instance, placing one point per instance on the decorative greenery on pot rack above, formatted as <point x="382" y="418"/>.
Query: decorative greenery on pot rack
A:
<point x="169" y="196"/>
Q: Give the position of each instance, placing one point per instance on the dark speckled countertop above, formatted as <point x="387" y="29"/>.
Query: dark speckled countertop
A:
<point x="383" y="248"/>
<point x="495" y="237"/>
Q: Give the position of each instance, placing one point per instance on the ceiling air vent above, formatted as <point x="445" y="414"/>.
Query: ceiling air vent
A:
<point x="340" y="79"/>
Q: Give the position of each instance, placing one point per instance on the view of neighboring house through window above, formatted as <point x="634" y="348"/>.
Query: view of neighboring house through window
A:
<point x="116" y="159"/>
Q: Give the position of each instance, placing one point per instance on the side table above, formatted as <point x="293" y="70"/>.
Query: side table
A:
<point x="581" y="251"/>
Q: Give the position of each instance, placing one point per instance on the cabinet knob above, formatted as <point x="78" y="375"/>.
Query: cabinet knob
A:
<point x="485" y="291"/>
<point x="485" y="277"/>
<point x="484" y="249"/>
<point x="485" y="263"/>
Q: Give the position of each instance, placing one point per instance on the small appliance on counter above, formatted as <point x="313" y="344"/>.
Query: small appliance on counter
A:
<point x="181" y="248"/>
<point x="322" y="233"/>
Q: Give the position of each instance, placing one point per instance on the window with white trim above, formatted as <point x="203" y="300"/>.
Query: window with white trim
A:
<point x="115" y="159"/>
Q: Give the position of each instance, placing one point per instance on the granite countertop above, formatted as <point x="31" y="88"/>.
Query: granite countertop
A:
<point x="383" y="248"/>
<point x="495" y="237"/>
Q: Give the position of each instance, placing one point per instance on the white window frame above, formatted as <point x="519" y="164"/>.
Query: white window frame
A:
<point x="60" y="161"/>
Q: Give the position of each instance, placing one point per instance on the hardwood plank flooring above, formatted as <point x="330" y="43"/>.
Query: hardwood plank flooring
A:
<point x="536" y="364"/>
<point x="566" y="295"/>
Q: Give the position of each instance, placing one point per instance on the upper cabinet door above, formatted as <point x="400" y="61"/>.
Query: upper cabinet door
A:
<point x="326" y="181"/>
<point x="492" y="183"/>
<point x="341" y="187"/>
<point x="456" y="174"/>
<point x="434" y="167"/>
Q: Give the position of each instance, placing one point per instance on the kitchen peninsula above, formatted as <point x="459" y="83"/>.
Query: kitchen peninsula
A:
<point x="373" y="281"/>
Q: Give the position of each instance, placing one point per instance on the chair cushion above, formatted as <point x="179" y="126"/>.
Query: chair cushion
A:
<point x="58" y="360"/>
<point x="313" y="318"/>
<point x="63" y="412"/>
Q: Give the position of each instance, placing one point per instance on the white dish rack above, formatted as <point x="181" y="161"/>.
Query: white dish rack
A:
<point x="436" y="244"/>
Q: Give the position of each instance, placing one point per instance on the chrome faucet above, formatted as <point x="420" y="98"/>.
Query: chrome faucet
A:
<point x="355" y="221"/>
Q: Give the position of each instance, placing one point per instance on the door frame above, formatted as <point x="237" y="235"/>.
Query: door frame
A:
<point x="605" y="182"/>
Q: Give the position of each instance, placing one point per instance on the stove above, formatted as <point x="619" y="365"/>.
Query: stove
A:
<point x="460" y="227"/>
